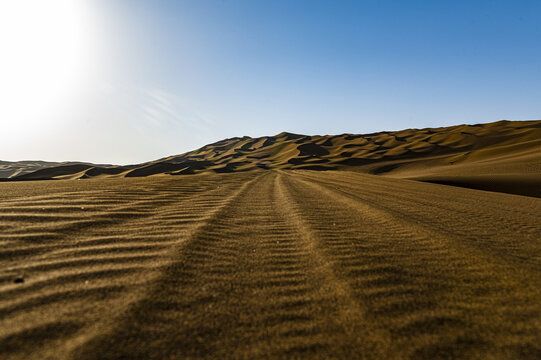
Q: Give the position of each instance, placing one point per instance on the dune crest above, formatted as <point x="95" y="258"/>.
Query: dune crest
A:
<point x="501" y="156"/>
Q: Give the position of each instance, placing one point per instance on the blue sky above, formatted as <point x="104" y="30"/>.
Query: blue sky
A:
<point x="165" y="77"/>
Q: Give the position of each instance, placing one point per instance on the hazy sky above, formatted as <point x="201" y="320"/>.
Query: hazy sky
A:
<point x="127" y="81"/>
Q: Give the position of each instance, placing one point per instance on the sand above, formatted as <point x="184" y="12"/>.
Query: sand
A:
<point x="281" y="264"/>
<point x="502" y="156"/>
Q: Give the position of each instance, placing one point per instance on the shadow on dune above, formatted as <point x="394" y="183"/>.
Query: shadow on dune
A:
<point x="168" y="168"/>
<point x="50" y="173"/>
<point x="518" y="185"/>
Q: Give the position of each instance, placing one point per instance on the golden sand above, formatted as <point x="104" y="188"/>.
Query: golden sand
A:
<point x="281" y="264"/>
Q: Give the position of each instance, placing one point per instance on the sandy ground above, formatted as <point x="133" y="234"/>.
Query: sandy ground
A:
<point x="274" y="264"/>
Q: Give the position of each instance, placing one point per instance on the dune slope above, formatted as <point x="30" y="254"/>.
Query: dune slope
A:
<point x="13" y="169"/>
<point x="501" y="156"/>
<point x="267" y="264"/>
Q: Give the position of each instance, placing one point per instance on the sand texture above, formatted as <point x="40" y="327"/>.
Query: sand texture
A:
<point x="276" y="264"/>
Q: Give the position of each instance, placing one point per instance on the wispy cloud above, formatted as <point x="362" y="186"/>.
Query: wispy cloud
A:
<point x="133" y="124"/>
<point x="168" y="111"/>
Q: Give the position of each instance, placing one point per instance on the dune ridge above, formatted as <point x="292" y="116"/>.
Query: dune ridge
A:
<point x="501" y="156"/>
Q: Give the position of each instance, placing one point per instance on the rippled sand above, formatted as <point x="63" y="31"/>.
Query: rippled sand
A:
<point x="274" y="264"/>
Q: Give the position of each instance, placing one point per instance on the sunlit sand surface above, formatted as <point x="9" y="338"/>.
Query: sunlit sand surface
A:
<point x="267" y="264"/>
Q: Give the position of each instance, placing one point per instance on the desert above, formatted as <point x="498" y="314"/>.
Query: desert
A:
<point x="278" y="261"/>
<point x="270" y="179"/>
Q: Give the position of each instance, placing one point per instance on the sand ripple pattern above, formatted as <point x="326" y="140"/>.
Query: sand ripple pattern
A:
<point x="276" y="264"/>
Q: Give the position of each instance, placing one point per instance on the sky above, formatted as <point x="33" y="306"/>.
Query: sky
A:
<point x="128" y="81"/>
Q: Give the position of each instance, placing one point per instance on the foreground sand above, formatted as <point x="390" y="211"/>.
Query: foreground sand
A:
<point x="271" y="264"/>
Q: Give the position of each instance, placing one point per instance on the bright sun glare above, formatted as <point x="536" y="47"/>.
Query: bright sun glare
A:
<point x="43" y="46"/>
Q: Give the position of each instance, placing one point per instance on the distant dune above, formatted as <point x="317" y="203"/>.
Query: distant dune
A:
<point x="10" y="170"/>
<point x="501" y="156"/>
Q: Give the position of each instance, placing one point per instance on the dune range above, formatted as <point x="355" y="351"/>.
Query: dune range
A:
<point x="501" y="156"/>
<point x="272" y="260"/>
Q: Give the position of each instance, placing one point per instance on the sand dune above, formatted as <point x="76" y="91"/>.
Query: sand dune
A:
<point x="501" y="156"/>
<point x="268" y="264"/>
<point x="12" y="169"/>
<point x="238" y="250"/>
